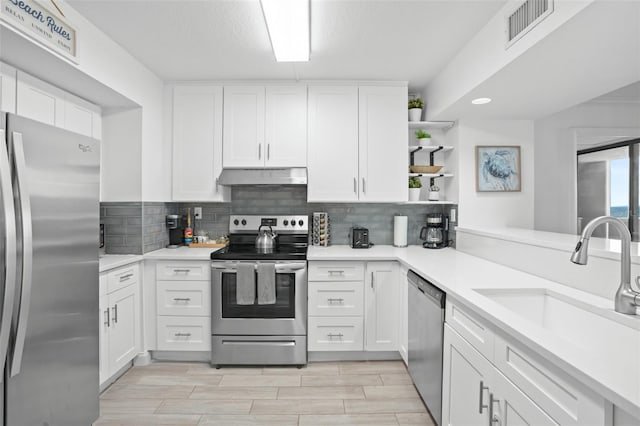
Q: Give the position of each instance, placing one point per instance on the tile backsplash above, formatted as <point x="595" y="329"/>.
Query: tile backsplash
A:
<point x="139" y="227"/>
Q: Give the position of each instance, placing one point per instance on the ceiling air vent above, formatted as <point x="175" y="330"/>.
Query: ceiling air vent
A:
<point x="525" y="17"/>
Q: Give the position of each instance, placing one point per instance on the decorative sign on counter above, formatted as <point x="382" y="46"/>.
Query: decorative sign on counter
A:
<point x="31" y="18"/>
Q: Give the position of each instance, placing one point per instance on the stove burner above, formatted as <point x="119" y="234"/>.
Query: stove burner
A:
<point x="291" y="243"/>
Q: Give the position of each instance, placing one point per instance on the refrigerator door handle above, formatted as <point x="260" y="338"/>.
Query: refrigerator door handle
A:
<point x="10" y="251"/>
<point x="27" y="252"/>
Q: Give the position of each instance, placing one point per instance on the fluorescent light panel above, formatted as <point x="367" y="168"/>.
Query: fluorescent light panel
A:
<point x="288" y="26"/>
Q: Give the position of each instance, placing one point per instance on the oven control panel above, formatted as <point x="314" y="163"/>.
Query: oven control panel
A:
<point x="251" y="223"/>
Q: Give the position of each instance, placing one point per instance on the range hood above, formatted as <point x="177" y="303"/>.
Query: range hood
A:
<point x="288" y="176"/>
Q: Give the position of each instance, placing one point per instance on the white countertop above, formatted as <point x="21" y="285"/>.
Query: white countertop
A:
<point x="181" y="253"/>
<point x="111" y="261"/>
<point x="599" y="247"/>
<point x="458" y="274"/>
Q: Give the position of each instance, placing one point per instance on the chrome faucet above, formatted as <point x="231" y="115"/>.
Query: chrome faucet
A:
<point x="626" y="299"/>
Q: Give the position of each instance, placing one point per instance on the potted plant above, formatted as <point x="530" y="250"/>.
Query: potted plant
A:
<point x="415" y="184"/>
<point x="415" y="109"/>
<point x="434" y="193"/>
<point x="424" y="138"/>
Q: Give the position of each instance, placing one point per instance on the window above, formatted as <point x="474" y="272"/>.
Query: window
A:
<point x="608" y="186"/>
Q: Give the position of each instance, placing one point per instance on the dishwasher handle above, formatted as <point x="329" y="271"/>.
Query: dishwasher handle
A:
<point x="433" y="293"/>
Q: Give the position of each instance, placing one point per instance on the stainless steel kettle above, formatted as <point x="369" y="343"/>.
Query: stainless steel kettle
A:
<point x="266" y="240"/>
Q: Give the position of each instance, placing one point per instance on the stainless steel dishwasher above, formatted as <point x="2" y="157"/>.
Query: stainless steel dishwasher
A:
<point x="426" y="322"/>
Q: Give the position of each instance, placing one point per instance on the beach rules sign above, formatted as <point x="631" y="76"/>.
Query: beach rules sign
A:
<point x="34" y="20"/>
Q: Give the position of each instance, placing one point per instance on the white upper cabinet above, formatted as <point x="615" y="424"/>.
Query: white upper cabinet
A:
<point x="286" y="126"/>
<point x="333" y="144"/>
<point x="243" y="137"/>
<point x="356" y="144"/>
<point x="82" y="117"/>
<point x="265" y="127"/>
<point x="7" y="88"/>
<point x="382" y="156"/>
<point x="43" y="102"/>
<point x="39" y="101"/>
<point x="197" y="143"/>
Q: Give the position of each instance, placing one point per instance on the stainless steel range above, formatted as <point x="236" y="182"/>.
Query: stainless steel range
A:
<point x="258" y="294"/>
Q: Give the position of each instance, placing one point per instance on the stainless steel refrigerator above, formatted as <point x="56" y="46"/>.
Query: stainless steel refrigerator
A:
<point x="49" y="221"/>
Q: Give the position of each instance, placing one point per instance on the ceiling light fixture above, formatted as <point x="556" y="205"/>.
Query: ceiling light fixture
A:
<point x="481" y="101"/>
<point x="288" y="25"/>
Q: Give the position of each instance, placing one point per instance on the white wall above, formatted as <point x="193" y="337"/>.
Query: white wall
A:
<point x="491" y="209"/>
<point x="120" y="171"/>
<point x="104" y="60"/>
<point x="556" y="137"/>
<point x="485" y="54"/>
<point x="109" y="68"/>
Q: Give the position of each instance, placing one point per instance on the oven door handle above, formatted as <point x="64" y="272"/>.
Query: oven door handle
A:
<point x="290" y="267"/>
<point x="280" y="267"/>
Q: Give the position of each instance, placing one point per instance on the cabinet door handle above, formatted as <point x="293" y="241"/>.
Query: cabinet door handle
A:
<point x="336" y="272"/>
<point x="181" y="299"/>
<point x="177" y="271"/>
<point x="115" y="313"/>
<point x="182" y="334"/>
<point x="268" y="151"/>
<point x="338" y="335"/>
<point x="355" y="185"/>
<point x="106" y="315"/>
<point x="217" y="183"/>
<point x="363" y="187"/>
<point x="126" y="277"/>
<point x="492" y="417"/>
<point x="372" y="280"/>
<point x="331" y="300"/>
<point x="481" y="405"/>
<point x="259" y="151"/>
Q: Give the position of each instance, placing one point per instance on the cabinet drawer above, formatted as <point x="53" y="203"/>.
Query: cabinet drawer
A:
<point x="343" y="298"/>
<point x="184" y="333"/>
<point x="335" y="333"/>
<point x="564" y="399"/>
<point x="183" y="271"/>
<point x="186" y="298"/>
<point x="336" y="271"/>
<point x="123" y="277"/>
<point x="469" y="326"/>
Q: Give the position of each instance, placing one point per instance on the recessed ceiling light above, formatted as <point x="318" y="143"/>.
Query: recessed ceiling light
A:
<point x="288" y="26"/>
<point x="481" y="101"/>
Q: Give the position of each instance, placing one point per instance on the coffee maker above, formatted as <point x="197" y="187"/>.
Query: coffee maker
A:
<point x="176" y="232"/>
<point x="436" y="233"/>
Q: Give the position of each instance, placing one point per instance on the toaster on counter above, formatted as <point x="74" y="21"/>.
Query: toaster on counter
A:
<point x="359" y="237"/>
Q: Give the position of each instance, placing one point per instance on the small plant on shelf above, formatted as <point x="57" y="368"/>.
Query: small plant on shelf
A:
<point x="416" y="103"/>
<point x="414" y="188"/>
<point x="421" y="134"/>
<point x="415" y="182"/>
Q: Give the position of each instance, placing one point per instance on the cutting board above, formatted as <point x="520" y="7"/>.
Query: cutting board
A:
<point x="207" y="245"/>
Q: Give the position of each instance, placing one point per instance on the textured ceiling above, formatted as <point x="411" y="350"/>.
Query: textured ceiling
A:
<point x="350" y="39"/>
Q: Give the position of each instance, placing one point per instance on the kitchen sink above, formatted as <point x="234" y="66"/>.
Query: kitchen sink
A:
<point x="604" y="333"/>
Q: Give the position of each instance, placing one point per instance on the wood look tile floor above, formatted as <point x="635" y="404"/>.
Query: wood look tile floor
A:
<point x="323" y="393"/>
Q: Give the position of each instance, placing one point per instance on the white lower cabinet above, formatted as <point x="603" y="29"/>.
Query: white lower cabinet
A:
<point x="382" y="304"/>
<point x="511" y="387"/>
<point x="120" y="320"/>
<point x="404" y="315"/>
<point x="183" y="306"/>
<point x="353" y="306"/>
